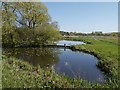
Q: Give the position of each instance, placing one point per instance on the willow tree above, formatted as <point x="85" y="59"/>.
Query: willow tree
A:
<point x="8" y="24"/>
<point x="26" y="19"/>
<point x="29" y="14"/>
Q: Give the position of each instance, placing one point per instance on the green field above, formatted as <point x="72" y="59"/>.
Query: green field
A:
<point x="105" y="48"/>
<point x="31" y="25"/>
<point x="20" y="74"/>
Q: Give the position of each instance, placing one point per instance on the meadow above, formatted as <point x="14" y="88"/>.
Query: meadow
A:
<point x="28" y="24"/>
<point x="18" y="74"/>
<point x="106" y="49"/>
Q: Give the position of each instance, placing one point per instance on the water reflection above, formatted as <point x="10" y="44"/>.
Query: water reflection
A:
<point x="68" y="43"/>
<point x="71" y="63"/>
<point x="35" y="56"/>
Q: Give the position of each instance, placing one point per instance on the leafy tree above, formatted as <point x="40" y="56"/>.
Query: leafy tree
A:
<point x="27" y="24"/>
<point x="8" y="25"/>
<point x="31" y="14"/>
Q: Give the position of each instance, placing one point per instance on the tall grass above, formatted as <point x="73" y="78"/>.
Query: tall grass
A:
<point x="18" y="74"/>
<point x="106" y="51"/>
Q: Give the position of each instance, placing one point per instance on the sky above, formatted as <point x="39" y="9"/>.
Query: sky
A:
<point x="85" y="17"/>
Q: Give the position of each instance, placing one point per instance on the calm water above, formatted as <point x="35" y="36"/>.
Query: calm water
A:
<point x="71" y="63"/>
<point x="69" y="43"/>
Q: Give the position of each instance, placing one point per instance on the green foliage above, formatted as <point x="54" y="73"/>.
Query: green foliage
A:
<point x="27" y="24"/>
<point x="18" y="74"/>
<point x="105" y="50"/>
<point x="47" y="34"/>
<point x="31" y="37"/>
<point x="31" y="14"/>
<point x="114" y="34"/>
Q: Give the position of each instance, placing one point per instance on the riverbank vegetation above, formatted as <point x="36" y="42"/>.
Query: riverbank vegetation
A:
<point x="106" y="49"/>
<point x="19" y="74"/>
<point x="27" y="24"/>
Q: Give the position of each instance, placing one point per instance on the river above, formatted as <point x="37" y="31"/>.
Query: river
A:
<point x="65" y="61"/>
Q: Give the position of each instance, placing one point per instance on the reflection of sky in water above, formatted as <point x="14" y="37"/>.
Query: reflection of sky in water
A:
<point x="68" y="43"/>
<point x="79" y="64"/>
<point x="71" y="63"/>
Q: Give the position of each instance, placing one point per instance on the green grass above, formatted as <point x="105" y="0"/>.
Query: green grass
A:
<point x="0" y="71"/>
<point x="106" y="49"/>
<point x="18" y="74"/>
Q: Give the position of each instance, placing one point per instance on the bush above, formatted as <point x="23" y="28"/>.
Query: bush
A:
<point x="42" y="35"/>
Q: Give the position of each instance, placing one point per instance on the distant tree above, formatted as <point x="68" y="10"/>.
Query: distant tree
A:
<point x="114" y="34"/>
<point x="97" y="33"/>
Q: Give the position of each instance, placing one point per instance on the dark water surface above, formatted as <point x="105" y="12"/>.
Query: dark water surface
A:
<point x="71" y="63"/>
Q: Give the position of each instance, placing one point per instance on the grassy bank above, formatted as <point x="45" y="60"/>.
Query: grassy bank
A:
<point x="18" y="74"/>
<point x="106" y="49"/>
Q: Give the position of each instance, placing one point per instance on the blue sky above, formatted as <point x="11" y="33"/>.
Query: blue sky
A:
<point x="85" y="16"/>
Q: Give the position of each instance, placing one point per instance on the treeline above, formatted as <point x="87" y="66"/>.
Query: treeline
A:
<point x="89" y="34"/>
<point x="27" y="24"/>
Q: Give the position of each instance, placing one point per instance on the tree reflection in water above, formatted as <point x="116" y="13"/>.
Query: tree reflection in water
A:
<point x="36" y="56"/>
